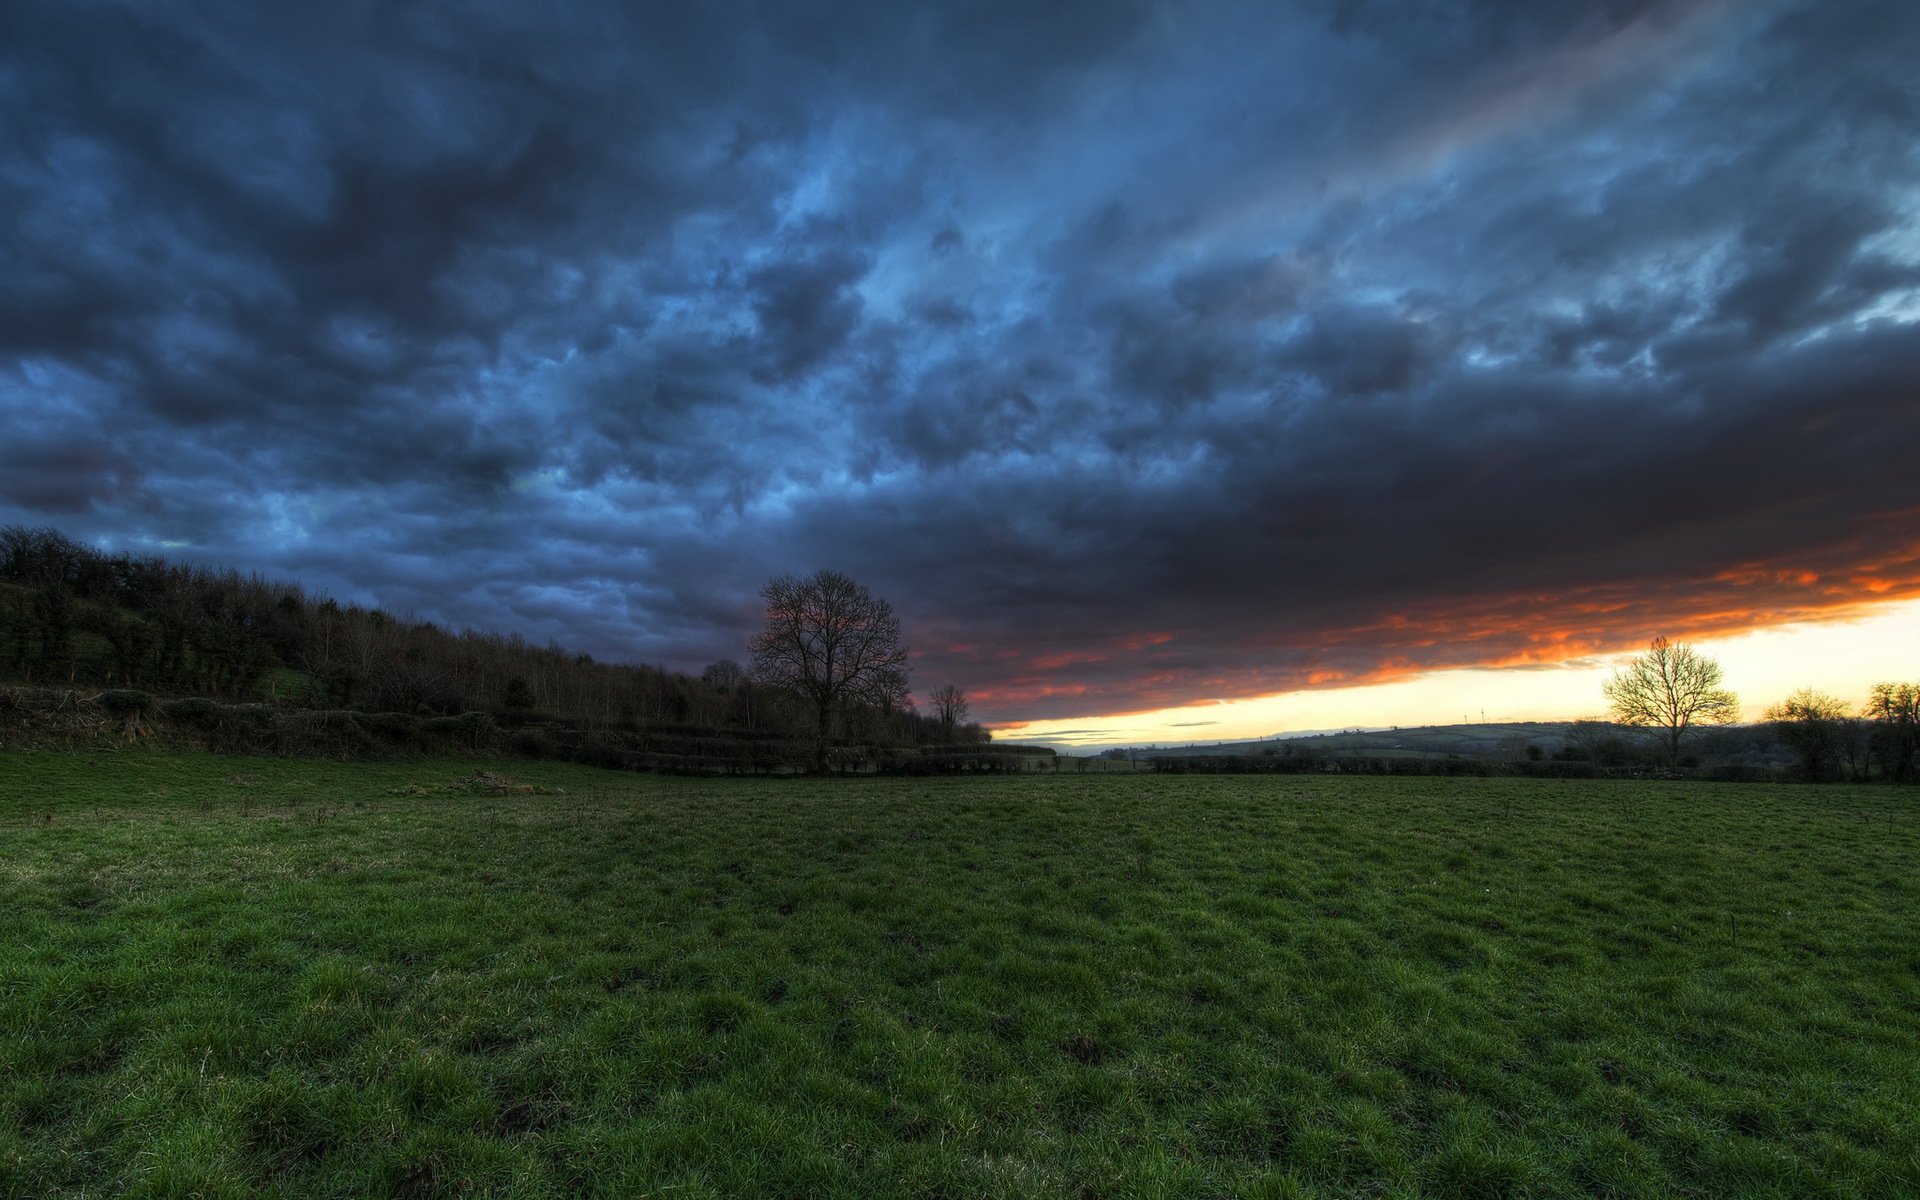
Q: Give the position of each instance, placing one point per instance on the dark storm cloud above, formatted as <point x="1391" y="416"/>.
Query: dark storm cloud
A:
<point x="1139" y="354"/>
<point x="805" y="310"/>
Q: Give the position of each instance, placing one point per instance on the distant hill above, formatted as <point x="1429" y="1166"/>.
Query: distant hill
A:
<point x="1734" y="751"/>
<point x="1486" y="740"/>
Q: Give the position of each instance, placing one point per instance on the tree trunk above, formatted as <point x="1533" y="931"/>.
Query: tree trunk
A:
<point x="822" y="727"/>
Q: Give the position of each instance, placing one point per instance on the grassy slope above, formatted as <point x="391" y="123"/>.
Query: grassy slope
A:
<point x="237" y="977"/>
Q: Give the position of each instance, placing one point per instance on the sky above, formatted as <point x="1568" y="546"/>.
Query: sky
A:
<point x="1231" y="362"/>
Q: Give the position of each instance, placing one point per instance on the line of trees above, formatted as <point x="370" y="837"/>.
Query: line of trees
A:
<point x="76" y="616"/>
<point x="1673" y="689"/>
<point x="1833" y="742"/>
<point x="829" y="667"/>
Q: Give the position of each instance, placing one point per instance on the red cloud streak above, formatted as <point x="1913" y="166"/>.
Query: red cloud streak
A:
<point x="1135" y="672"/>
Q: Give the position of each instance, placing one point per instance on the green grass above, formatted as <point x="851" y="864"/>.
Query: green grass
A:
<point x="238" y="977"/>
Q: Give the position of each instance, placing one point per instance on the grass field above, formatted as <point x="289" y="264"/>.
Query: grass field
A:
<point x="238" y="977"/>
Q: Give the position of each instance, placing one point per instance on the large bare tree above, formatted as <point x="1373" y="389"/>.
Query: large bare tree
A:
<point x="1671" y="688"/>
<point x="831" y="641"/>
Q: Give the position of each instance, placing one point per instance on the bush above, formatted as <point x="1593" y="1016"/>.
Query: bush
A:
<point x="126" y="703"/>
<point x="195" y="711"/>
<point x="472" y="730"/>
<point x="957" y="762"/>
<point x="532" y="743"/>
<point x="399" y="729"/>
<point x="327" y="733"/>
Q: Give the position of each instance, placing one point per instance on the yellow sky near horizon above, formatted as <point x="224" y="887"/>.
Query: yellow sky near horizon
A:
<point x="1844" y="657"/>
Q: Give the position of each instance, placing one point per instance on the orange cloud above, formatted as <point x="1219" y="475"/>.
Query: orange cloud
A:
<point x="1528" y="630"/>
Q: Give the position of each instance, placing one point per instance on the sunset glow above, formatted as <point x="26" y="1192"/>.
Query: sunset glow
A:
<point x="1844" y="658"/>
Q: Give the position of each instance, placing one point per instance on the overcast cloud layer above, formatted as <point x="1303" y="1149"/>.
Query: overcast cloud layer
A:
<point x="1139" y="355"/>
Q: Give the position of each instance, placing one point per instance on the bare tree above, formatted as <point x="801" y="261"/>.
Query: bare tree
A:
<point x="1810" y="722"/>
<point x="832" y="642"/>
<point x="949" y="708"/>
<point x="1670" y="688"/>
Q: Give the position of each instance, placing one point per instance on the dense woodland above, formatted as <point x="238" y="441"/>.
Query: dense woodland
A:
<point x="146" y="630"/>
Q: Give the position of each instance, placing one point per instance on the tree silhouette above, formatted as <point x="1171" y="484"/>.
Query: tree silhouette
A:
<point x="1894" y="709"/>
<point x="831" y="642"/>
<point x="1811" y="722"/>
<point x="1670" y="688"/>
<point x="950" y="708"/>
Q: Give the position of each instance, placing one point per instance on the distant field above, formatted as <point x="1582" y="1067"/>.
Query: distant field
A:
<point x="239" y="977"/>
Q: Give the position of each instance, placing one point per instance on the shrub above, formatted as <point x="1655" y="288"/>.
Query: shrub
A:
<point x="126" y="703"/>
<point x="195" y="711"/>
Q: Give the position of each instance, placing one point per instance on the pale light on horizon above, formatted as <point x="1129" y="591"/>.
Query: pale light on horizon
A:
<point x="1763" y="666"/>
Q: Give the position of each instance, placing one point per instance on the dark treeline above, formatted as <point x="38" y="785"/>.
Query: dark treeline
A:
<point x="1363" y="764"/>
<point x="72" y="615"/>
<point x="1881" y="745"/>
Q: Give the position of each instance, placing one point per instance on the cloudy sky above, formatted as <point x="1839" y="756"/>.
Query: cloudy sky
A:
<point x="1142" y="356"/>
